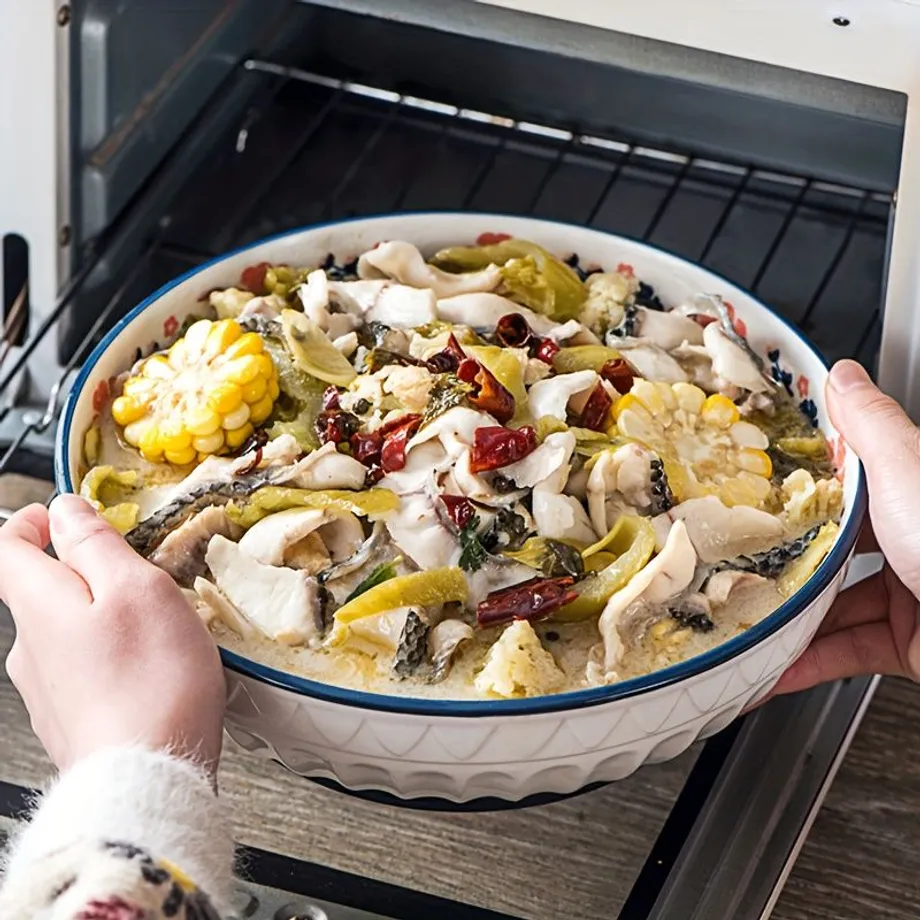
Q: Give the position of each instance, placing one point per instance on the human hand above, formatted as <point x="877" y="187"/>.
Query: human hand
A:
<point x="873" y="627"/>
<point x="107" y="652"/>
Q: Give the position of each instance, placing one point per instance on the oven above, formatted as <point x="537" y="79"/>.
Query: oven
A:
<point x="776" y="143"/>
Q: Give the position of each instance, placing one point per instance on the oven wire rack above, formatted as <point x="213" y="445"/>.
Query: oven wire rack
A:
<point x="648" y="193"/>
<point x="312" y="148"/>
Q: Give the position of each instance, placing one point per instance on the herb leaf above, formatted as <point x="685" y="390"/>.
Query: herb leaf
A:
<point x="473" y="554"/>
<point x="381" y="573"/>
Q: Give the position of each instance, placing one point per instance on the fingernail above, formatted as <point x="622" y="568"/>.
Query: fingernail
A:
<point x="66" y="510"/>
<point x="848" y="375"/>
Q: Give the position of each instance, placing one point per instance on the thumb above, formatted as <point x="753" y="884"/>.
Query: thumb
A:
<point x="888" y="443"/>
<point x="873" y="424"/>
<point x="87" y="543"/>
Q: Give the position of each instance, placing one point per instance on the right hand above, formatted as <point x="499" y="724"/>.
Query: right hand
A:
<point x="873" y="627"/>
<point x="108" y="652"/>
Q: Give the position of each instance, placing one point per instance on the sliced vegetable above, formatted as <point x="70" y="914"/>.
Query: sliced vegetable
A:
<point x="419" y="589"/>
<point x="372" y="503"/>
<point x="532" y="600"/>
<point x="381" y="573"/>
<point x="530" y="275"/>
<point x="547" y="425"/>
<point x="549" y="557"/>
<point x="448" y="391"/>
<point x="584" y="358"/>
<point x="202" y="397"/>
<point x="495" y="446"/>
<point x="312" y="351"/>
<point x="595" y="590"/>
<point x="108" y="490"/>
<point x="801" y="569"/>
<point x="395" y="438"/>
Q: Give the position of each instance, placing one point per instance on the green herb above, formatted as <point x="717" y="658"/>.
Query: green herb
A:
<point x="473" y="553"/>
<point x="446" y="392"/>
<point x="381" y="573"/>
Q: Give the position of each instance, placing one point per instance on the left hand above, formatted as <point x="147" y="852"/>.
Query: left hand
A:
<point x="108" y="652"/>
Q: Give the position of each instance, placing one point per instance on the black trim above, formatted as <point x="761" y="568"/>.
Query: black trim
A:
<point x="348" y="890"/>
<point x="485" y="804"/>
<point x="674" y="833"/>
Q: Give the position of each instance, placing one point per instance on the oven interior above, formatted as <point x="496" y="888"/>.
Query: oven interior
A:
<point x="197" y="130"/>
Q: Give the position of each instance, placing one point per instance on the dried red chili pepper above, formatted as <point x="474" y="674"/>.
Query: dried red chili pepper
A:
<point x="596" y="410"/>
<point x="490" y="239"/>
<point x="459" y="509"/>
<point x="366" y="445"/>
<point x="336" y="426"/>
<point x="546" y="351"/>
<point x="513" y="331"/>
<point x="487" y="393"/>
<point x="448" y="359"/>
<point x="330" y="398"/>
<point x="620" y="373"/>
<point x="396" y="436"/>
<point x="533" y="600"/>
<point x="253" y="278"/>
<point x="495" y="447"/>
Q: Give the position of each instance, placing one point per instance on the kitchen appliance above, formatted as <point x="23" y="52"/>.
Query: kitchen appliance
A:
<point x="767" y="141"/>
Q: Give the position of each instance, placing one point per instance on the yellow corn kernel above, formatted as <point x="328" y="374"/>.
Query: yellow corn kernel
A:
<point x="755" y="461"/>
<point x="690" y="398"/>
<point x="720" y="410"/>
<point x="149" y="444"/>
<point x="126" y="409"/>
<point x="237" y="418"/>
<point x="174" y="437"/>
<point x="241" y="370"/>
<point x="157" y="367"/>
<point x="261" y="410"/>
<point x="237" y="436"/>
<point x="177" y="356"/>
<point x="202" y="421"/>
<point x="221" y="336"/>
<point x="647" y="394"/>
<point x="274" y="391"/>
<point x="266" y="366"/>
<point x="666" y="394"/>
<point x="196" y="337"/>
<point x="627" y="401"/>
<point x="143" y="389"/>
<point x="225" y="398"/>
<point x="250" y="343"/>
<point x="181" y="457"/>
<point x="254" y="391"/>
<point x="660" y="629"/>
<point x="209" y="444"/>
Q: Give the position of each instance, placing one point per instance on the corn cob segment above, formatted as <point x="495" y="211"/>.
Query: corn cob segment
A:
<point x="203" y="396"/>
<point x="706" y="448"/>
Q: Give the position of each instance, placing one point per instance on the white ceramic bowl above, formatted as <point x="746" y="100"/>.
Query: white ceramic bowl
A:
<point x="461" y="751"/>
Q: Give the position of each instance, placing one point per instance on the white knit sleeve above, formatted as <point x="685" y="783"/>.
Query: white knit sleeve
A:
<point x="139" y="830"/>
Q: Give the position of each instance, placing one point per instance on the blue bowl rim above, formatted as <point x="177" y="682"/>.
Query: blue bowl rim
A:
<point x="575" y="699"/>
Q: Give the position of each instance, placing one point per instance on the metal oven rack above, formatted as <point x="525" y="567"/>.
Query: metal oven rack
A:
<point x="312" y="148"/>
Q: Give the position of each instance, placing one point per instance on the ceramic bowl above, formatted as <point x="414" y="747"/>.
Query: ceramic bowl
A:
<point x="514" y="749"/>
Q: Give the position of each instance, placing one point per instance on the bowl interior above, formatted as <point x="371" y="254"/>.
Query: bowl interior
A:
<point x="793" y="362"/>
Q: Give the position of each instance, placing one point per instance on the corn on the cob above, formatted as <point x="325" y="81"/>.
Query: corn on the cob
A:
<point x="706" y="448"/>
<point x="203" y="396"/>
